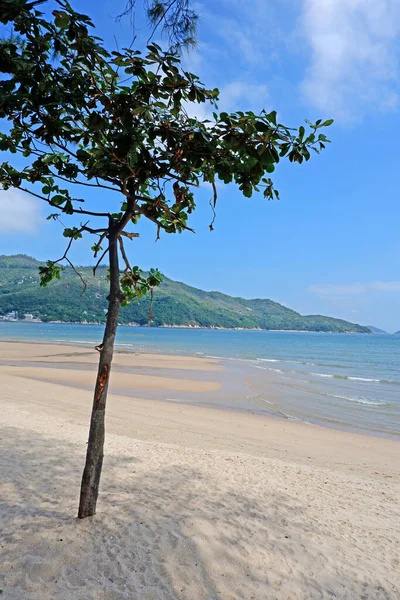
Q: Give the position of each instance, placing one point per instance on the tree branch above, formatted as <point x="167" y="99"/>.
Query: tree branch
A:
<point x="79" y="211"/>
<point x="126" y="217"/>
<point x="99" y="261"/>
<point x="79" y="275"/>
<point x="93" y="185"/>
<point x="145" y="214"/>
<point x="126" y="261"/>
<point x="65" y="257"/>
<point x="94" y="231"/>
<point x="103" y="235"/>
<point x="213" y="203"/>
<point x="129" y="235"/>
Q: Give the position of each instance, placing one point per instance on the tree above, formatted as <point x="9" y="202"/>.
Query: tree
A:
<point x="175" y="19"/>
<point x="82" y="117"/>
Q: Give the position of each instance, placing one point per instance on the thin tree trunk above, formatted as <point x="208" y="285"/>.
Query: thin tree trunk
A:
<point x="94" y="456"/>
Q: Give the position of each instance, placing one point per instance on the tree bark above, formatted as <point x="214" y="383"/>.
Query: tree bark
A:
<point x="94" y="456"/>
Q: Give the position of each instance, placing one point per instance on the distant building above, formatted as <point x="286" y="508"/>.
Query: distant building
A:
<point x="10" y="316"/>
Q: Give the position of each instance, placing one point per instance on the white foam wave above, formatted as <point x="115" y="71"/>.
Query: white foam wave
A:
<point x="364" y="379"/>
<point x="357" y="399"/>
<point x="291" y="362"/>
<point x="267" y="369"/>
<point x="273" y="360"/>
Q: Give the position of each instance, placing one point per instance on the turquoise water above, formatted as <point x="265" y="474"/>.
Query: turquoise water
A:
<point x="345" y="381"/>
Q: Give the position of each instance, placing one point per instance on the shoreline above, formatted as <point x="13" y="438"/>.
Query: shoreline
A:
<point x="159" y="388"/>
<point x="168" y="374"/>
<point x="190" y="327"/>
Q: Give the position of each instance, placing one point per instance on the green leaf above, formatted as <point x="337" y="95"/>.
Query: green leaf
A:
<point x="57" y="200"/>
<point x="271" y="117"/>
<point x="62" y="19"/>
<point x="72" y="232"/>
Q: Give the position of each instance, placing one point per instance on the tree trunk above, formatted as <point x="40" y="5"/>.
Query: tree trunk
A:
<point x="94" y="456"/>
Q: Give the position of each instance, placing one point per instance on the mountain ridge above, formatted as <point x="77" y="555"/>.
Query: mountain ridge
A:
<point x="175" y="303"/>
<point x="377" y="330"/>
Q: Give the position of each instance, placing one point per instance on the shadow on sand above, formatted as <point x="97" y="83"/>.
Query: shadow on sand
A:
<point x="164" y="531"/>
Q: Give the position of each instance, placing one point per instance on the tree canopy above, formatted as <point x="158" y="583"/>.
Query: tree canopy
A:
<point x="81" y="115"/>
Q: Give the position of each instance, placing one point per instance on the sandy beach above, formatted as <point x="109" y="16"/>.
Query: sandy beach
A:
<point x="196" y="503"/>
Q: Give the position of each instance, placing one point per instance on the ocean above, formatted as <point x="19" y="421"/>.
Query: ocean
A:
<point x="349" y="382"/>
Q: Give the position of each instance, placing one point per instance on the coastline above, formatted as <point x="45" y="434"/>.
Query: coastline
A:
<point x="195" y="502"/>
<point x="244" y="385"/>
<point x="68" y="370"/>
<point x="188" y="326"/>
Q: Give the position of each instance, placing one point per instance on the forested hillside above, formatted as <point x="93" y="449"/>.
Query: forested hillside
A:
<point x="174" y="303"/>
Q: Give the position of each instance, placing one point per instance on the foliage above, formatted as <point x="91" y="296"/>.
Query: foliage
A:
<point x="174" y="303"/>
<point x="117" y="121"/>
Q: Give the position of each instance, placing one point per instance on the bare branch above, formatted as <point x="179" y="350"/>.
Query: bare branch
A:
<point x="93" y="231"/>
<point x="98" y="245"/>
<point x="126" y="261"/>
<point x="129" y="235"/>
<point x="33" y="194"/>
<point x="99" y="261"/>
<point x="213" y="203"/>
<point x="93" y="185"/>
<point x="65" y="257"/>
<point x="79" y="211"/>
<point x="79" y="275"/>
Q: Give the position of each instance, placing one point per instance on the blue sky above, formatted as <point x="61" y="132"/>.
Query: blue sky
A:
<point x="331" y="244"/>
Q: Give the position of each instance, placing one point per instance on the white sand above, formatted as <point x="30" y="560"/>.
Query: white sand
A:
<point x="195" y="504"/>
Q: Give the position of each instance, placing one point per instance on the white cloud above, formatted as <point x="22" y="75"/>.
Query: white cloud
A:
<point x="244" y="96"/>
<point x="352" y="289"/>
<point x="251" y="32"/>
<point x="236" y="95"/>
<point x="354" y="49"/>
<point x="19" y="212"/>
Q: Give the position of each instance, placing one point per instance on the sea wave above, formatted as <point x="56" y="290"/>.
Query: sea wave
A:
<point x="322" y="375"/>
<point x="365" y="379"/>
<point x="291" y="362"/>
<point x="302" y="362"/>
<point x="273" y="360"/>
<point x="352" y="378"/>
<point x="358" y="399"/>
<point x="267" y="369"/>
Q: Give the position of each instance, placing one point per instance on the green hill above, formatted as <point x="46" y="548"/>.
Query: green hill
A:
<point x="376" y="330"/>
<point x="174" y="303"/>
